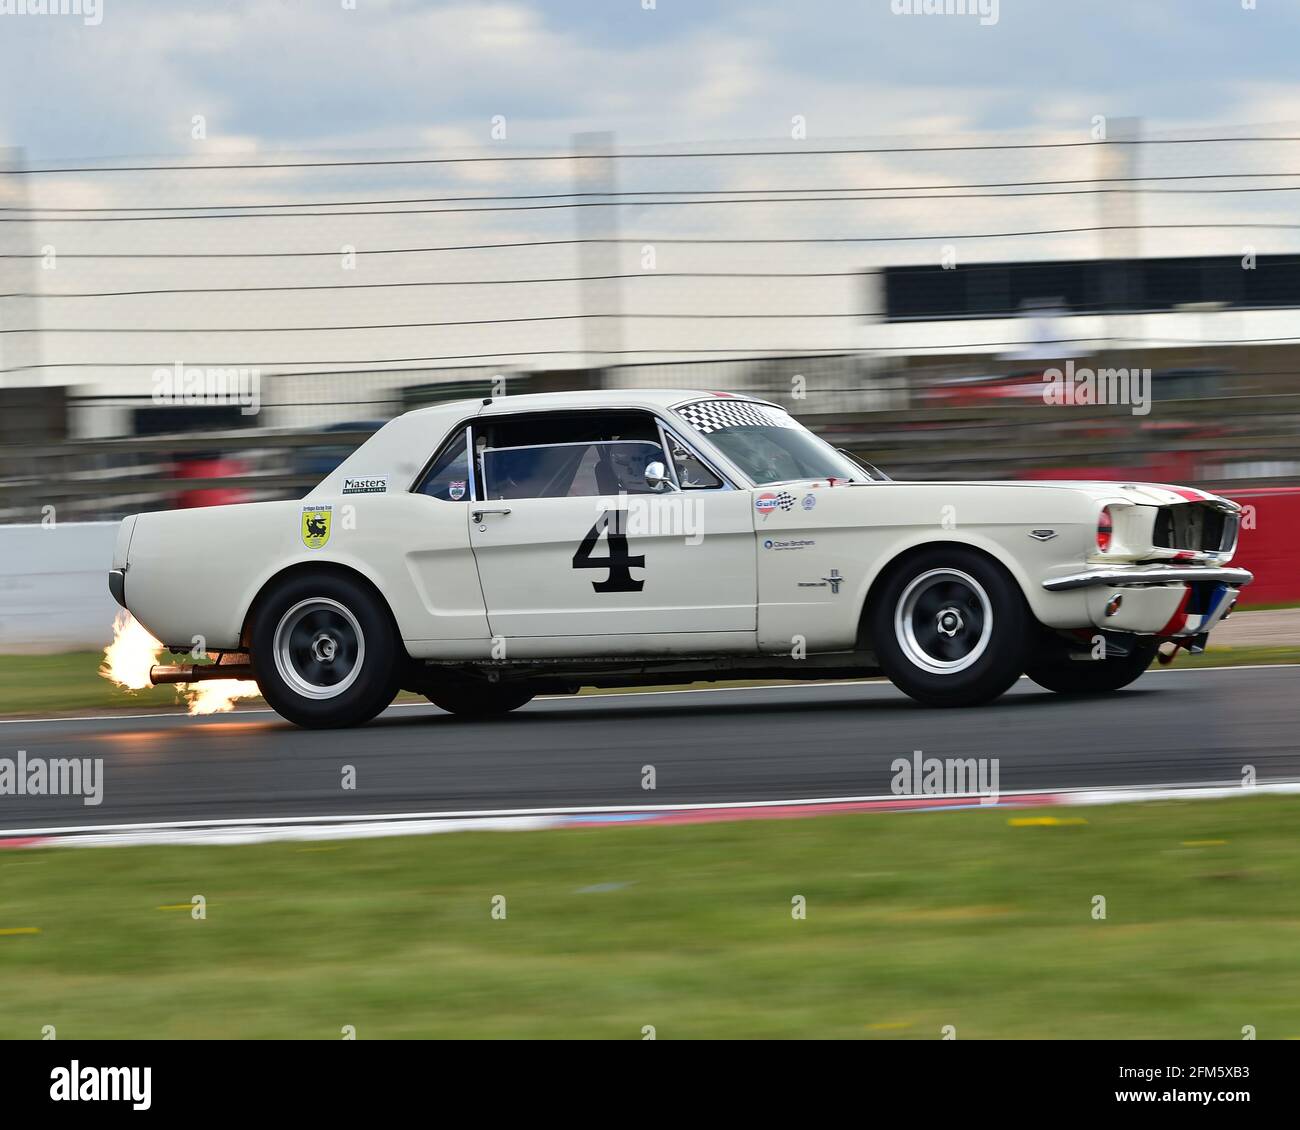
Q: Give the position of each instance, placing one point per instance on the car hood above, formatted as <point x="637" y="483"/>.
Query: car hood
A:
<point x="1133" y="493"/>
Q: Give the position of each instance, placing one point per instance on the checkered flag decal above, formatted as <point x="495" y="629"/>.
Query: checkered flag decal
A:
<point x="711" y="415"/>
<point x="785" y="500"/>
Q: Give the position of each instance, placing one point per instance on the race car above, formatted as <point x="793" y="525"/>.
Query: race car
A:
<point x="483" y="552"/>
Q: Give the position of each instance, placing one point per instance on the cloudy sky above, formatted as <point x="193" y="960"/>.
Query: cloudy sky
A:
<point x="272" y="74"/>
<point x="313" y="79"/>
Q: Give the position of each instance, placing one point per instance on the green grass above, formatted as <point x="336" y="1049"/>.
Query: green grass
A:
<point x="914" y="921"/>
<point x="1238" y="656"/>
<point x="44" y="684"/>
<point x="35" y="684"/>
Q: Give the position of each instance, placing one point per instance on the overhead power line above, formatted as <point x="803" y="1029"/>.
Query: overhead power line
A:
<point x="771" y="352"/>
<point x="673" y="241"/>
<point x="744" y="200"/>
<point x="512" y="158"/>
<point x="656" y="192"/>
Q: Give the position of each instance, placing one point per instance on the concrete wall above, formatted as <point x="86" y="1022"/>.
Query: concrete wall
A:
<point x="54" y="587"/>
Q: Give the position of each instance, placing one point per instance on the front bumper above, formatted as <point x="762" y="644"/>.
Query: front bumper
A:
<point x="1122" y="576"/>
<point x="1162" y="600"/>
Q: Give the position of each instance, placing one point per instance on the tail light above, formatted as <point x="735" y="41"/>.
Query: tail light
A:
<point x="1105" y="529"/>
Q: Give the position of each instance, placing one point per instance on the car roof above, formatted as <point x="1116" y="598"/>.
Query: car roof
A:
<point x="586" y="398"/>
<point x="401" y="447"/>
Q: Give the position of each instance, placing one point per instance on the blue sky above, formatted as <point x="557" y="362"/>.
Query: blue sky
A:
<point x="403" y="73"/>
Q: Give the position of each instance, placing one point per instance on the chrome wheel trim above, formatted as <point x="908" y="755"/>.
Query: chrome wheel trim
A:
<point x="962" y="614"/>
<point x="319" y="648"/>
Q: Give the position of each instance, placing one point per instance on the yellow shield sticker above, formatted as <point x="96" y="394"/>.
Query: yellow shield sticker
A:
<point x="316" y="523"/>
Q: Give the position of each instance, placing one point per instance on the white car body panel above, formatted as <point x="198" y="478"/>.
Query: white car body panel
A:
<point x="532" y="589"/>
<point x="761" y="578"/>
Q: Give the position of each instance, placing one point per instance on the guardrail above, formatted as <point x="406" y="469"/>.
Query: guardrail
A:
<point x="1217" y="443"/>
<point x="108" y="477"/>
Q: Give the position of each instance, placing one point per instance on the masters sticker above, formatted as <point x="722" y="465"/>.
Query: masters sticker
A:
<point x="377" y="485"/>
<point x="316" y="523"/>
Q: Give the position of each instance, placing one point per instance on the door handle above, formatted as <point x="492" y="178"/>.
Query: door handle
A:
<point x="477" y="513"/>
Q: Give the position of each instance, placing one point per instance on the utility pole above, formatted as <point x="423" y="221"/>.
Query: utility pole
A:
<point x="600" y="300"/>
<point x="1118" y="216"/>
<point x="19" y="276"/>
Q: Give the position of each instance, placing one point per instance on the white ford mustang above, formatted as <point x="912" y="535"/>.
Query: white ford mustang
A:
<point x="483" y="552"/>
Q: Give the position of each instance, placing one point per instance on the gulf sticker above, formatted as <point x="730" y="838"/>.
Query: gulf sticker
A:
<point x="766" y="502"/>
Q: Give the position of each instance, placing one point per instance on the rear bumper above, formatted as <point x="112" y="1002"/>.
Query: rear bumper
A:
<point x="117" y="585"/>
<point x="1123" y="576"/>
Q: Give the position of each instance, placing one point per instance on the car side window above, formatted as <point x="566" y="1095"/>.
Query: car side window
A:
<point x="569" y="470"/>
<point x="448" y="475"/>
<point x="567" y="455"/>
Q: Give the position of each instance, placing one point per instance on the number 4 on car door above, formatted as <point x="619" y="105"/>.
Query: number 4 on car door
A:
<point x="620" y="561"/>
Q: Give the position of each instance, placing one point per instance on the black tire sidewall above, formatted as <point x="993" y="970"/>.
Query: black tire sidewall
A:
<point x="376" y="683"/>
<point x="472" y="701"/>
<point x="1003" y="660"/>
<point x="1094" y="676"/>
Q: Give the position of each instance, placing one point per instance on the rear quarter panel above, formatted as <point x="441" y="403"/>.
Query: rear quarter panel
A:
<point x="197" y="572"/>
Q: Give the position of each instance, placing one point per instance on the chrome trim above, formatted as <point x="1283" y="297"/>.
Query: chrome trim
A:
<point x="469" y="464"/>
<point x="1147" y="575"/>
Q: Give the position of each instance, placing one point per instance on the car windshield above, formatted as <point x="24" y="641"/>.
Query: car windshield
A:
<point x="766" y="442"/>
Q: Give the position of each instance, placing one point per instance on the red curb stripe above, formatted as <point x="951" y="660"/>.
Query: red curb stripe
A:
<point x="797" y="811"/>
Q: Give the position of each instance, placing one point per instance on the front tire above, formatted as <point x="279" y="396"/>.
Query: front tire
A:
<point x="325" y="651"/>
<point x="1093" y="676"/>
<point x="950" y="627"/>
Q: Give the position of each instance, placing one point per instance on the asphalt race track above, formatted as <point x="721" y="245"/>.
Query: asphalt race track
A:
<point x="769" y="743"/>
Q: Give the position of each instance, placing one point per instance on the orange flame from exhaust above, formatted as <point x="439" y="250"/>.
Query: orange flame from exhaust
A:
<point x="217" y="697"/>
<point x="134" y="651"/>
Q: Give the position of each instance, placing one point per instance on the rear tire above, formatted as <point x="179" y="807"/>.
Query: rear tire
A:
<point x="486" y="700"/>
<point x="325" y="651"/>
<point x="1095" y="676"/>
<point x="950" y="627"/>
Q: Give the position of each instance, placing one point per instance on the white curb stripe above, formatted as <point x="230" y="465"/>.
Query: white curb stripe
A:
<point x="317" y="828"/>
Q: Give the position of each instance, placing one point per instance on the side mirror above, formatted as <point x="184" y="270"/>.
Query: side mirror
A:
<point x="656" y="477"/>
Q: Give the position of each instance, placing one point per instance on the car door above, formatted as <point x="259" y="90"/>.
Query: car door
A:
<point x="572" y="542"/>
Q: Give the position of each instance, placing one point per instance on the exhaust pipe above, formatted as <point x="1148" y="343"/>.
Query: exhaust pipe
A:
<point x="159" y="676"/>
